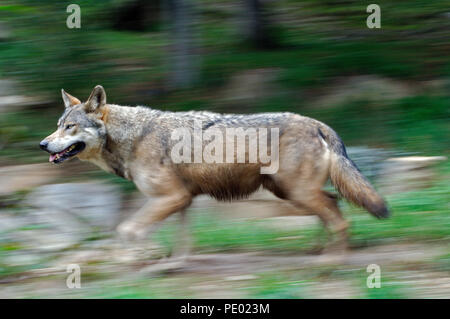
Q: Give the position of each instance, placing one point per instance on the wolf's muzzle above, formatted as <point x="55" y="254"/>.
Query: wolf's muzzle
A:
<point x="43" y="145"/>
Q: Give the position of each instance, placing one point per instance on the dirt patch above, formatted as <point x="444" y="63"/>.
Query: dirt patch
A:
<point x="235" y="275"/>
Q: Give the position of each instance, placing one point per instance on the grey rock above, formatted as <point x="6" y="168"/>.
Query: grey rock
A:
<point x="7" y="87"/>
<point x="49" y="239"/>
<point x="21" y="258"/>
<point x="370" y="160"/>
<point x="401" y="174"/>
<point x="65" y="214"/>
<point x="250" y="86"/>
<point x="93" y="204"/>
<point x="10" y="222"/>
<point x="5" y="32"/>
<point x="22" y="177"/>
<point x="364" y="87"/>
<point x="11" y="100"/>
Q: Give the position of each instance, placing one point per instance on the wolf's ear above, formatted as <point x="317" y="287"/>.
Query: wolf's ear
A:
<point x="68" y="99"/>
<point x="96" y="100"/>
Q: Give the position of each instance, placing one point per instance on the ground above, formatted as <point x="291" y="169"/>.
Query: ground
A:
<point x="405" y="273"/>
<point x="275" y="257"/>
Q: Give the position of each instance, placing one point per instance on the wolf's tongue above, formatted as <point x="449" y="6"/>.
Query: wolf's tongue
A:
<point x="52" y="157"/>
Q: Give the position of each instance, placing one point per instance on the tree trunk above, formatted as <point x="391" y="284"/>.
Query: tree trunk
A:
<point x="182" y="58"/>
<point x="257" y="25"/>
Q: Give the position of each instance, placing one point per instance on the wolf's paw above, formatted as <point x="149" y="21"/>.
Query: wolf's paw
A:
<point x="130" y="230"/>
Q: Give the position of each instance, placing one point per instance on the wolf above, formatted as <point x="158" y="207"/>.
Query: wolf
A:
<point x="136" y="143"/>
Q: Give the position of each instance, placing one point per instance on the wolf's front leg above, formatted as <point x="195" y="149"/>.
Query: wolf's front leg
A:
<point x="154" y="211"/>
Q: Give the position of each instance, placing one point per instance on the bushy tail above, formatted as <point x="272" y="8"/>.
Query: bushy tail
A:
<point x="347" y="178"/>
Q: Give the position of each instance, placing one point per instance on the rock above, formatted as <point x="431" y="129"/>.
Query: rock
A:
<point x="250" y="86"/>
<point x="93" y="204"/>
<point x="14" y="101"/>
<point x="437" y="87"/>
<point x="408" y="173"/>
<point x="49" y="239"/>
<point x="62" y="215"/>
<point x="364" y="87"/>
<point x="7" y="86"/>
<point x="10" y="222"/>
<point x="5" y="32"/>
<point x="22" y="258"/>
<point x="240" y="278"/>
<point x="370" y="160"/>
<point x="10" y="100"/>
<point x="22" y="177"/>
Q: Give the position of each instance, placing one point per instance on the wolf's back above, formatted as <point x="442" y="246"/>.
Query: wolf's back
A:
<point x="347" y="178"/>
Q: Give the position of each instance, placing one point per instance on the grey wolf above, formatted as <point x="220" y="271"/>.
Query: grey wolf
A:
<point x="135" y="143"/>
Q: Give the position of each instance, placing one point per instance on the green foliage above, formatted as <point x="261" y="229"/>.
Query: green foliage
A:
<point x="211" y="233"/>
<point x="20" y="134"/>
<point x="277" y="286"/>
<point x="443" y="263"/>
<point x="417" y="124"/>
<point x="389" y="290"/>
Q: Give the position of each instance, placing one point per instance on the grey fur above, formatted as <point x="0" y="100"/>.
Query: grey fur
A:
<point x="135" y="143"/>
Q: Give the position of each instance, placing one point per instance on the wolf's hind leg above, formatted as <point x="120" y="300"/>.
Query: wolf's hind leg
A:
<point x="183" y="243"/>
<point x="324" y="205"/>
<point x="339" y="226"/>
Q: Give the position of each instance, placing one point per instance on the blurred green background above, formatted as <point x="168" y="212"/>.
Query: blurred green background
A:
<point x="384" y="89"/>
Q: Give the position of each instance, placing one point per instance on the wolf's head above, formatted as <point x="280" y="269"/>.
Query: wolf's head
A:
<point x="81" y="130"/>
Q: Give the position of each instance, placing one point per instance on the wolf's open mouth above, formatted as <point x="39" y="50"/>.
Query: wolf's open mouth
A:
<point x="72" y="150"/>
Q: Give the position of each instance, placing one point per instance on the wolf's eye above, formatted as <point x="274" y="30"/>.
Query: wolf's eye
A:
<point x="69" y="126"/>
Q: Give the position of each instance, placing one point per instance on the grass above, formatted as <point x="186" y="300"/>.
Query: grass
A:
<point x="389" y="290"/>
<point x="442" y="263"/>
<point x="217" y="234"/>
<point x="276" y="286"/>
<point x="417" y="216"/>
